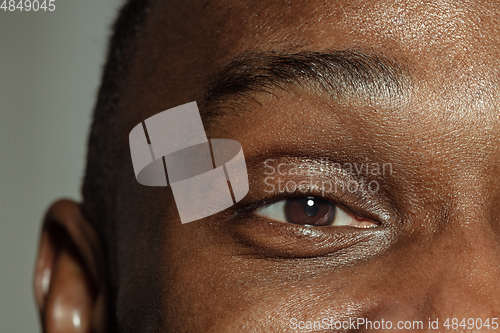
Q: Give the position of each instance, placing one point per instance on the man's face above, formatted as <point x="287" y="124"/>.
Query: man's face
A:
<point x="412" y="158"/>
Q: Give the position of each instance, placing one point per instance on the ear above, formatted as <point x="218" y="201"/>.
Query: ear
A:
<point x="69" y="281"/>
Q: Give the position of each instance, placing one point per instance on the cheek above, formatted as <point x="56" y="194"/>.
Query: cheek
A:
<point x="206" y="286"/>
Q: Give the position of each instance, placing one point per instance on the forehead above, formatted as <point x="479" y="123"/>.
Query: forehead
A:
<point x="413" y="25"/>
<point x="406" y="26"/>
<point x="454" y="43"/>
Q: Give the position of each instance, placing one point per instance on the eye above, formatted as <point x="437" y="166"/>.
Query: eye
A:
<point x="312" y="211"/>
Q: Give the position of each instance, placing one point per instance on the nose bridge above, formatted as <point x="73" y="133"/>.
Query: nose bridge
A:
<point x="455" y="274"/>
<point x="465" y="259"/>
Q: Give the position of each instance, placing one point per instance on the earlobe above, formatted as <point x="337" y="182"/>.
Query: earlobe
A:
<point x="69" y="282"/>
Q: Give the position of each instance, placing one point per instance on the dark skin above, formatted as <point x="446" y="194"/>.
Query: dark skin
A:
<point x="433" y="251"/>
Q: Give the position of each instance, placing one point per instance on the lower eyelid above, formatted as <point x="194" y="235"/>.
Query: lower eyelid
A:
<point x="273" y="239"/>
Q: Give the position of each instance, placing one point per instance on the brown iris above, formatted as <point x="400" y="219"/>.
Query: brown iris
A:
<point x="309" y="211"/>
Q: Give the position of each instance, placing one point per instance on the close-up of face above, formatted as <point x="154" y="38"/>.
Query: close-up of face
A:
<point x="370" y="132"/>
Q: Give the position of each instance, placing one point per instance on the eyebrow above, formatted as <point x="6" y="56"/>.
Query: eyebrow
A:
<point x="343" y="74"/>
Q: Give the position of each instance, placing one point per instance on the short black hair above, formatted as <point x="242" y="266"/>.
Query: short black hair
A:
<point x="101" y="174"/>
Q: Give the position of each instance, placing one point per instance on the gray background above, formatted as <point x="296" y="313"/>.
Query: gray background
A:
<point x="50" y="66"/>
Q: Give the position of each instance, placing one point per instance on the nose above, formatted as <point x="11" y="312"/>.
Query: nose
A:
<point x="451" y="284"/>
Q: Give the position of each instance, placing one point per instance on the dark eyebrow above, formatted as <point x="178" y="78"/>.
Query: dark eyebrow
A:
<point x="344" y="74"/>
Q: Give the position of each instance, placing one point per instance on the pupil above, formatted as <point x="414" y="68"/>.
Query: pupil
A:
<point x="311" y="209"/>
